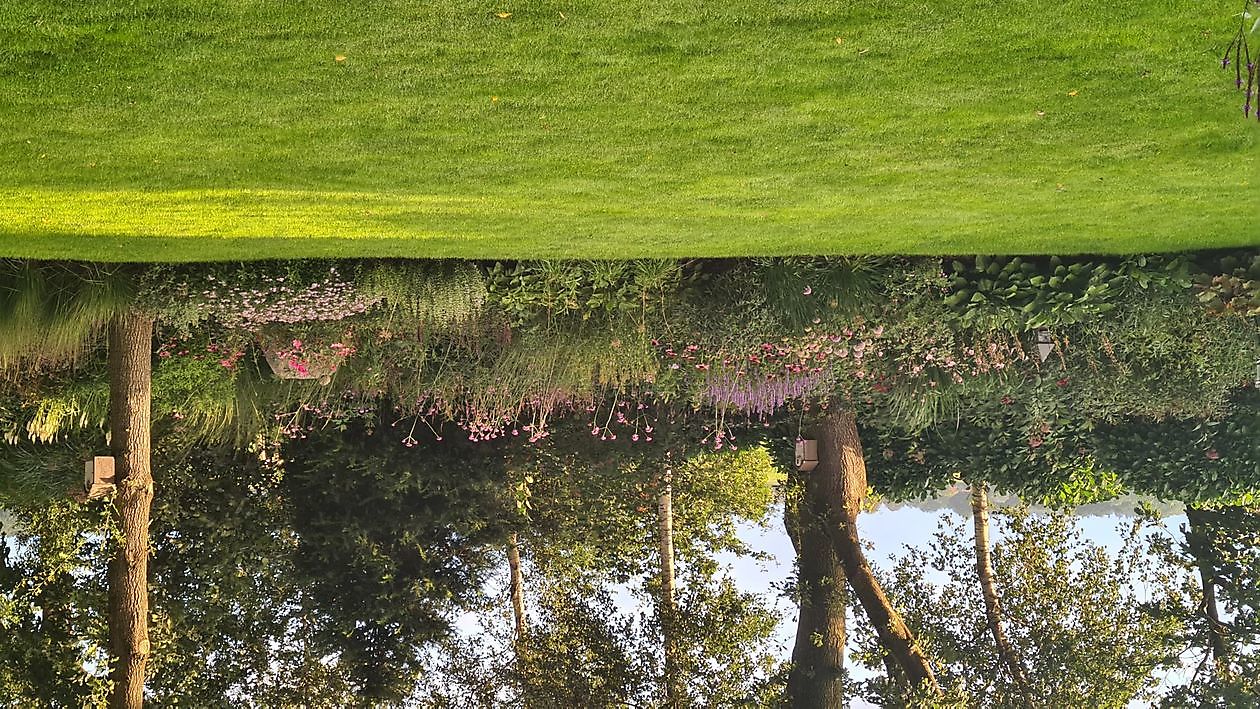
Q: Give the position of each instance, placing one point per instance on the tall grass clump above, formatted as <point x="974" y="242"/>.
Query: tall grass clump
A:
<point x="51" y="314"/>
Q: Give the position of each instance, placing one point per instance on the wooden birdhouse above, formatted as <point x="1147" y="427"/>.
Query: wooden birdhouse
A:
<point x="1045" y="344"/>
<point x="806" y="455"/>
<point x="98" y="476"/>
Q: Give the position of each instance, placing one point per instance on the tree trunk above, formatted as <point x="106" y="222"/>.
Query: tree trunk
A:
<point x="1198" y="539"/>
<point x="130" y="370"/>
<point x="667" y="612"/>
<point x="517" y="587"/>
<point x="817" y="676"/>
<point x="841" y="474"/>
<point x="988" y="589"/>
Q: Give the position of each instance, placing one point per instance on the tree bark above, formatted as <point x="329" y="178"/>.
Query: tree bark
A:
<point x="667" y="612"/>
<point x="988" y="589"/>
<point x="517" y="587"/>
<point x="130" y="379"/>
<point x="1198" y="539"/>
<point x="817" y="676"/>
<point x="841" y="474"/>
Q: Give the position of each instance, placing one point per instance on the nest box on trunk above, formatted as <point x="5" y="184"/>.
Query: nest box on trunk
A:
<point x="98" y="476"/>
<point x="806" y="455"/>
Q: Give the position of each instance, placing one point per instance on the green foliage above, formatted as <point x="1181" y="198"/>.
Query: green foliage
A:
<point x="492" y="388"/>
<point x="542" y="294"/>
<point x="1083" y="634"/>
<point x="1193" y="460"/>
<point x="231" y="617"/>
<point x="199" y="394"/>
<point x="728" y="656"/>
<point x="1219" y="546"/>
<point x="918" y="467"/>
<point x="1085" y="485"/>
<point x="580" y="651"/>
<point x="1019" y="293"/>
<point x="1158" y="357"/>
<point x="390" y="541"/>
<point x="800" y="292"/>
<point x="715" y="490"/>
<point x="33" y="475"/>
<point x="1186" y="459"/>
<point x="713" y="493"/>
<point x="52" y="629"/>
<point x="1025" y="292"/>
<point x="76" y="405"/>
<point x="425" y="294"/>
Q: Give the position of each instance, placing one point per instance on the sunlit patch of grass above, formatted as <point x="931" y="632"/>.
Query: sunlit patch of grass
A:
<point x="190" y="130"/>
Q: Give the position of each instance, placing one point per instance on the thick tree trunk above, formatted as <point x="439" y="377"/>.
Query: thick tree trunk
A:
<point x="841" y="474"/>
<point x="817" y="676"/>
<point x="1199" y="541"/>
<point x="130" y="375"/>
<point x="665" y="532"/>
<point x="988" y="589"/>
<point x="517" y="587"/>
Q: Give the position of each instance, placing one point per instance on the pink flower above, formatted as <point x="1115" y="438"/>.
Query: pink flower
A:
<point x="1213" y="454"/>
<point x="808" y="291"/>
<point x="297" y="344"/>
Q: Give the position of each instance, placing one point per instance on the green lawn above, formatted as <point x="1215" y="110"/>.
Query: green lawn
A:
<point x="202" y="129"/>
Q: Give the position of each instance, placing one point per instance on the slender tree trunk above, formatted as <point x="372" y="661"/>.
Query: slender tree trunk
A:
<point x="667" y="612"/>
<point x="988" y="589"/>
<point x="841" y="474"/>
<point x="1199" y="541"/>
<point x="130" y="375"/>
<point x="817" y="676"/>
<point x="517" y="587"/>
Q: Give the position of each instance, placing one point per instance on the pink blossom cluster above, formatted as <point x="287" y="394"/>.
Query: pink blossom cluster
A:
<point x="942" y="357"/>
<point x="490" y="413"/>
<point x="302" y="359"/>
<point x="306" y="417"/>
<point x="760" y="381"/>
<point x="721" y="437"/>
<point x="635" y="420"/>
<point x="275" y="300"/>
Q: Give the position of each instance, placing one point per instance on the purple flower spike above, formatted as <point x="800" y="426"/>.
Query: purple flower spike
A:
<point x="1224" y="62"/>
